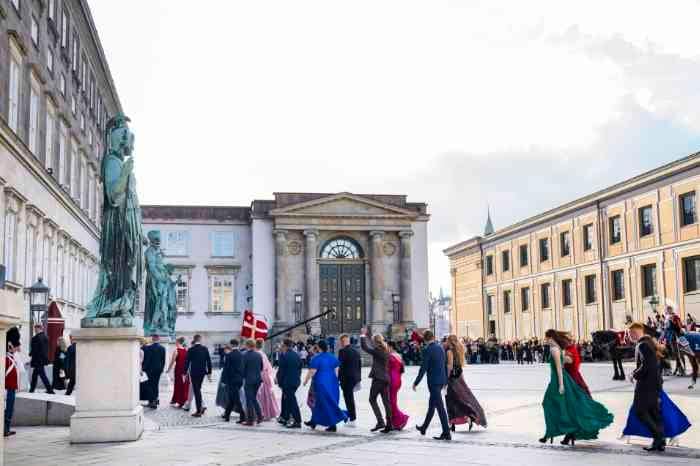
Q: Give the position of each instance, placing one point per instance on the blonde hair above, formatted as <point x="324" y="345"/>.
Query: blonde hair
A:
<point x="458" y="348"/>
<point x="379" y="342"/>
<point x="62" y="344"/>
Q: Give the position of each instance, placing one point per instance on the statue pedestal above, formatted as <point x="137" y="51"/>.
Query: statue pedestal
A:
<point x="107" y="407"/>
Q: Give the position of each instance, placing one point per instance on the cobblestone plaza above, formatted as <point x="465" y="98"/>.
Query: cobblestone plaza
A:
<point x="510" y="394"/>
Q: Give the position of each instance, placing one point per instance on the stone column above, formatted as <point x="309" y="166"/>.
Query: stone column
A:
<point x="406" y="288"/>
<point x="378" y="317"/>
<point x="281" y="276"/>
<point x="312" y="307"/>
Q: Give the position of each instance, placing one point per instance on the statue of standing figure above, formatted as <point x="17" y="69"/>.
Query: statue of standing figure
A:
<point x="121" y="244"/>
<point x="160" y="310"/>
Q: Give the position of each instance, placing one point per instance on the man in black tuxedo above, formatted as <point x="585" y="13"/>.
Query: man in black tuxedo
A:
<point x="71" y="368"/>
<point x="198" y="363"/>
<point x="232" y="378"/>
<point x="289" y="380"/>
<point x="153" y="365"/>
<point x="349" y="375"/>
<point x="435" y="366"/>
<point x="647" y="391"/>
<point x="39" y="354"/>
<point x="252" y="374"/>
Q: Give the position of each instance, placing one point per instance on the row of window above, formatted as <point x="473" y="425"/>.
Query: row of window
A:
<point x="177" y="243"/>
<point x="646" y="227"/>
<point x="221" y="291"/>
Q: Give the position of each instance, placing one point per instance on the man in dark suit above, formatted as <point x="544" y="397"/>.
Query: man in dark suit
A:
<point x="252" y="373"/>
<point x="647" y="391"/>
<point x="198" y="363"/>
<point x="380" y="380"/>
<point x="153" y="365"/>
<point x="289" y="380"/>
<point x="71" y="368"/>
<point x="232" y="377"/>
<point x="349" y="375"/>
<point x="435" y="366"/>
<point x="39" y="354"/>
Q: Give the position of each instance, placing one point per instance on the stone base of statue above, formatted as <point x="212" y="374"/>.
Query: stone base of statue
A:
<point x="107" y="407"/>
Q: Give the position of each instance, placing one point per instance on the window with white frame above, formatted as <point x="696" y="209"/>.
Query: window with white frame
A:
<point x="182" y="289"/>
<point x="62" y="142"/>
<point x="176" y="243"/>
<point x="34" y="93"/>
<point x="82" y="121"/>
<point x="30" y="257"/>
<point x="15" y="86"/>
<point x="46" y="264"/>
<point x="62" y="84"/>
<point x="221" y="292"/>
<point x="74" y="51"/>
<point x="9" y="256"/>
<point x="49" y="59"/>
<point x="89" y="194"/>
<point x="52" y="10"/>
<point x="73" y="105"/>
<point x="83" y="182"/>
<point x="35" y="31"/>
<point x="74" y="280"/>
<point x="222" y="244"/>
<point x="74" y="168"/>
<point x="60" y="271"/>
<point x="64" y="28"/>
<point x="50" y="125"/>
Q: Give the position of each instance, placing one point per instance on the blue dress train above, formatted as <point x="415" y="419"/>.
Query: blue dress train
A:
<point x="675" y="422"/>
<point x="326" y="391"/>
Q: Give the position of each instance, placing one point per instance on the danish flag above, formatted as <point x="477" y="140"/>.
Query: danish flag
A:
<point x="254" y="325"/>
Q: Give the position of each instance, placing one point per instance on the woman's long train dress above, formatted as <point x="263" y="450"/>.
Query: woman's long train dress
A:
<point x="675" y="422"/>
<point x="269" y="404"/>
<point x="462" y="405"/>
<point x="326" y="392"/>
<point x="396" y="368"/>
<point x="574" y="413"/>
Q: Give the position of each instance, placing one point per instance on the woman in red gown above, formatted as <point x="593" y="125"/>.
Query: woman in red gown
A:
<point x="182" y="383"/>
<point x="572" y="364"/>
<point x="396" y="368"/>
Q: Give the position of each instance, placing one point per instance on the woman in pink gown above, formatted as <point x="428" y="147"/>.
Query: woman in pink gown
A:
<point x="266" y="397"/>
<point x="396" y="369"/>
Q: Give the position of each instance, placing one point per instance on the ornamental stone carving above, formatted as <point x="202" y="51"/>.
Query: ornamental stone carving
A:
<point x="389" y="249"/>
<point x="294" y="248"/>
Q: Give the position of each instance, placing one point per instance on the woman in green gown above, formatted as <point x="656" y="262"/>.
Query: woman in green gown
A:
<point x="568" y="410"/>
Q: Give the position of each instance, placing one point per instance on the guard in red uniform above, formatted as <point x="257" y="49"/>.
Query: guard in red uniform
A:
<point x="11" y="386"/>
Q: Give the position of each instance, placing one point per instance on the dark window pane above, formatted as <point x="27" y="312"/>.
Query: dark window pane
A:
<point x="544" y="250"/>
<point x="590" y="289"/>
<point x="506" y="301"/>
<point x="687" y="206"/>
<point x="691" y="270"/>
<point x="545" y="295"/>
<point x="587" y="237"/>
<point x="523" y="255"/>
<point x="649" y="280"/>
<point x="489" y="265"/>
<point x="615" y="232"/>
<point x="565" y="243"/>
<point x="646" y="225"/>
<point x="618" y="282"/>
<point x="525" y="298"/>
<point x="505" y="257"/>
<point x="566" y="292"/>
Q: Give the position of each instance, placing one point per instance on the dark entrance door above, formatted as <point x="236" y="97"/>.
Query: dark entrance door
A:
<point x="342" y="289"/>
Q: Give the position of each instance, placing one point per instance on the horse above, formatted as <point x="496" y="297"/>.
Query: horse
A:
<point x="689" y="345"/>
<point x="609" y="342"/>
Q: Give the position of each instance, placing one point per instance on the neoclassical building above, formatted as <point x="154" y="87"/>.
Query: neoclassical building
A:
<point x="296" y="256"/>
<point x="616" y="255"/>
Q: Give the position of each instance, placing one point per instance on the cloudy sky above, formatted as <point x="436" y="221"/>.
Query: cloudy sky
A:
<point x="460" y="104"/>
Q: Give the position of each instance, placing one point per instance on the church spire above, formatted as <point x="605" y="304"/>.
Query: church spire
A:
<point x="488" y="229"/>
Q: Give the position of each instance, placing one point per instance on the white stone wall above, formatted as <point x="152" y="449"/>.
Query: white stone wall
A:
<point x="419" y="274"/>
<point x="55" y="220"/>
<point x="215" y="327"/>
<point x="263" y="249"/>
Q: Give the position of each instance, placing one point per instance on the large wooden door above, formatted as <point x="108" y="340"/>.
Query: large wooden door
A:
<point x="343" y="290"/>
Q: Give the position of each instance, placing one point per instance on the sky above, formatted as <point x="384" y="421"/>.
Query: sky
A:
<point x="520" y="106"/>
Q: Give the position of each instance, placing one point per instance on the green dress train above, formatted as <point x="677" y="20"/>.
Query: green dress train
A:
<point x="573" y="413"/>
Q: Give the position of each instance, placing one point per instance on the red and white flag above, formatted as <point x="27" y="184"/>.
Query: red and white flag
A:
<point x="254" y="326"/>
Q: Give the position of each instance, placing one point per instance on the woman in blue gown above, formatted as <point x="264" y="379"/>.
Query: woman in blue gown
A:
<point x="675" y="422"/>
<point x="326" y="390"/>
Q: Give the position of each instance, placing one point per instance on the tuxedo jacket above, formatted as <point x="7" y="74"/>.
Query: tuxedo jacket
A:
<point x="233" y="369"/>
<point x="350" y="370"/>
<point x="153" y="359"/>
<point x="289" y="370"/>
<point x="434" y="365"/>
<point x="198" y="361"/>
<point x="252" y="367"/>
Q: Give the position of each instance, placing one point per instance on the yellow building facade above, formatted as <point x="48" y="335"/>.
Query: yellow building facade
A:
<point x="595" y="263"/>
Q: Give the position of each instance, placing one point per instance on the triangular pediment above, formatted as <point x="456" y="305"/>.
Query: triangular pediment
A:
<point x="343" y="205"/>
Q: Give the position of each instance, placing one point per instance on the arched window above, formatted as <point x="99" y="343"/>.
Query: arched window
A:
<point x="341" y="248"/>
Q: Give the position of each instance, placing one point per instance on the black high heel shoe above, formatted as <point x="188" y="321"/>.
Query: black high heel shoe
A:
<point x="544" y="439"/>
<point x="569" y="440"/>
<point x="453" y="428"/>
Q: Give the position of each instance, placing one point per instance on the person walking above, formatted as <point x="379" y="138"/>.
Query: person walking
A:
<point x="647" y="390"/>
<point x="232" y="379"/>
<point x="325" y="387"/>
<point x="462" y="405"/>
<point x="289" y="379"/>
<point x="71" y="368"/>
<point x="269" y="404"/>
<point x="39" y="354"/>
<point x="434" y="365"/>
<point x="350" y="375"/>
<point x="568" y="410"/>
<point x="153" y="365"/>
<point x="572" y="359"/>
<point x="380" y="379"/>
<point x="198" y="363"/>
<point x="396" y="369"/>
<point x="11" y="387"/>
<point x="59" y="365"/>
<point x="177" y="365"/>
<point x="252" y="375"/>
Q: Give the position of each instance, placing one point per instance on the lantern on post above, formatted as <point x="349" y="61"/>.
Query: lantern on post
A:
<point x="38" y="304"/>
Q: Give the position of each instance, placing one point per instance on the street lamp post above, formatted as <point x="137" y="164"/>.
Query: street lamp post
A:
<point x="38" y="303"/>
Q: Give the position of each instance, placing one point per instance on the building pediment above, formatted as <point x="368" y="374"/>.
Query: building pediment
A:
<point x="343" y="205"/>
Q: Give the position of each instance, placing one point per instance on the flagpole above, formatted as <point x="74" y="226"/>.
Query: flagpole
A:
<point x="299" y="324"/>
